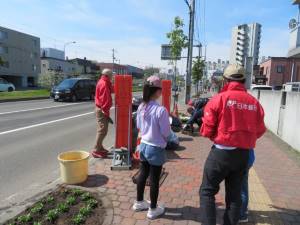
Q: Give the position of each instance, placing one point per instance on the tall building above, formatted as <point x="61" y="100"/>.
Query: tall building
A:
<point x="52" y="53"/>
<point x="245" y="44"/>
<point x="21" y="56"/>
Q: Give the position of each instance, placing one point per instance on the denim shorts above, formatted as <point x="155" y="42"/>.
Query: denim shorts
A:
<point x="154" y="155"/>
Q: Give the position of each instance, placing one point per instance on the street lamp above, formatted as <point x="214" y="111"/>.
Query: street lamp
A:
<point x="68" y="43"/>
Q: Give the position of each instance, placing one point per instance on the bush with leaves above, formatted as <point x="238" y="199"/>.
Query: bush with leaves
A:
<point x="25" y="218"/>
<point x="52" y="215"/>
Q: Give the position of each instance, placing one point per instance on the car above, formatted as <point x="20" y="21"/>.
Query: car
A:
<point x="74" y="89"/>
<point x="6" y="86"/>
<point x="261" y="87"/>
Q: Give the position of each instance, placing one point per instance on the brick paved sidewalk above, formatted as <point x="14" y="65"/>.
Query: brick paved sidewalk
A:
<point x="274" y="186"/>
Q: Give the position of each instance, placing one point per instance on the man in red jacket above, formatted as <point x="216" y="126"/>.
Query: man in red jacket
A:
<point x="103" y="103"/>
<point x="233" y="120"/>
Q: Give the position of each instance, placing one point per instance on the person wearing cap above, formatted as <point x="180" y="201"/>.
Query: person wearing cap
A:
<point x="153" y="123"/>
<point x="233" y="120"/>
<point x="103" y="103"/>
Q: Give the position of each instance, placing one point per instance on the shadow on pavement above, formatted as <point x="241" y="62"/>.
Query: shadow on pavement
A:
<point x="278" y="216"/>
<point x="95" y="180"/>
<point x="181" y="139"/>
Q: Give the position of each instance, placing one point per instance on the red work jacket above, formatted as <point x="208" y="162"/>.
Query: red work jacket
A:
<point x="233" y="118"/>
<point x="103" y="99"/>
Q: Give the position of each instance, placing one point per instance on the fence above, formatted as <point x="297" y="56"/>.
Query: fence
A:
<point x="282" y="114"/>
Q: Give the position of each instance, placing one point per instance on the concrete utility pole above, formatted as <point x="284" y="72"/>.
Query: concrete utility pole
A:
<point x="188" y="79"/>
<point x="66" y="44"/>
<point x="113" y="59"/>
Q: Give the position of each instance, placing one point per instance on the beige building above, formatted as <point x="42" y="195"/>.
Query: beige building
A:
<point x="21" y="56"/>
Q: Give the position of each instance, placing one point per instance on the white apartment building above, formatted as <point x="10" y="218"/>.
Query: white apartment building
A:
<point x="245" y="44"/>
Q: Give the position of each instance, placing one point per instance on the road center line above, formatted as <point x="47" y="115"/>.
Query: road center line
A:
<point x="45" y="123"/>
<point x="34" y="109"/>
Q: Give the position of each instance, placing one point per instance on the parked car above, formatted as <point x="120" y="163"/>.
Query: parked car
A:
<point x="261" y="87"/>
<point x="6" y="86"/>
<point x="74" y="89"/>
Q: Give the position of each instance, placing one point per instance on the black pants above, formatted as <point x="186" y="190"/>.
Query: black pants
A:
<point x="228" y="165"/>
<point x="154" y="171"/>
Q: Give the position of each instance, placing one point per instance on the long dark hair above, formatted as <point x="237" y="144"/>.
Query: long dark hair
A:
<point x="148" y="92"/>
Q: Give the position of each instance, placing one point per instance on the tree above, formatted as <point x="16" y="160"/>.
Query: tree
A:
<point x="1" y="61"/>
<point x="177" y="41"/>
<point x="197" y="72"/>
<point x="149" y="71"/>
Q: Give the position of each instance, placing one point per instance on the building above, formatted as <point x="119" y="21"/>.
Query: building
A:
<point x="245" y="44"/>
<point x="135" y="71"/>
<point x="117" y="68"/>
<point x="89" y="67"/>
<point x="219" y="65"/>
<point x="294" y="43"/>
<point x="60" y="66"/>
<point x="52" y="53"/>
<point x="20" y="53"/>
<point x="280" y="70"/>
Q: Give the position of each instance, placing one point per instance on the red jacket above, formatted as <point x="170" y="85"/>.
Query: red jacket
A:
<point x="233" y="118"/>
<point x="103" y="98"/>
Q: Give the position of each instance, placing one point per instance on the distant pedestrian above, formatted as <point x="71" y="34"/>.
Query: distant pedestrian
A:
<point x="233" y="120"/>
<point x="103" y="103"/>
<point x="245" y="189"/>
<point x="153" y="123"/>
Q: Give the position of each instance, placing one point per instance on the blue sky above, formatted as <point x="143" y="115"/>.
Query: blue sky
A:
<point x="137" y="28"/>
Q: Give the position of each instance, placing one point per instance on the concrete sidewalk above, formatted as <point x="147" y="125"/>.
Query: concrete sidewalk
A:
<point x="274" y="186"/>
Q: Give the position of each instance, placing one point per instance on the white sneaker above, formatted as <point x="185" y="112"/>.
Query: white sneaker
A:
<point x="154" y="213"/>
<point x="141" y="206"/>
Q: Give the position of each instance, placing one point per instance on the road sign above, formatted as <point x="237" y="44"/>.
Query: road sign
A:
<point x="166" y="53"/>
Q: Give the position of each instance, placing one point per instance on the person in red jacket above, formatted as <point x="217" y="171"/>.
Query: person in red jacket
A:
<point x="233" y="120"/>
<point x="103" y="103"/>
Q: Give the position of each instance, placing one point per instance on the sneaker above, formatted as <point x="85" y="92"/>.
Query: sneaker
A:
<point x="141" y="206"/>
<point x="99" y="154"/>
<point x="243" y="220"/>
<point x="154" y="213"/>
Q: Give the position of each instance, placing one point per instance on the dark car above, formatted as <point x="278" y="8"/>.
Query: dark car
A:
<point x="74" y="89"/>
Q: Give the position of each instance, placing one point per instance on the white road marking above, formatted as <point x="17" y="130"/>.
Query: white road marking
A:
<point x="34" y="109"/>
<point x="45" y="123"/>
<point x="49" y="122"/>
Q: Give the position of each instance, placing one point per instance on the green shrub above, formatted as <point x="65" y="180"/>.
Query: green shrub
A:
<point x="62" y="207"/>
<point x="71" y="200"/>
<point x="85" y="211"/>
<point x="25" y="218"/>
<point x="92" y="203"/>
<point x="50" y="199"/>
<point x="52" y="215"/>
<point x="78" y="219"/>
<point x="86" y="196"/>
<point x="37" y="223"/>
<point x="37" y="208"/>
<point x="77" y="192"/>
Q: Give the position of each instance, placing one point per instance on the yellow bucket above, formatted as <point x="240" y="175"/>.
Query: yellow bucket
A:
<point x="73" y="166"/>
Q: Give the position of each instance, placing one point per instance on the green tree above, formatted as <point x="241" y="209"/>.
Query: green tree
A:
<point x="1" y="61"/>
<point x="149" y="71"/>
<point x="197" y="72"/>
<point x="177" y="38"/>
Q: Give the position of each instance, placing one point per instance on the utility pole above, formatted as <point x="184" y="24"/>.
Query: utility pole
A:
<point x="113" y="59"/>
<point x="188" y="79"/>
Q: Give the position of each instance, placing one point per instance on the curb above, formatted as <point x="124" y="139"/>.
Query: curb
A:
<point x="23" y="99"/>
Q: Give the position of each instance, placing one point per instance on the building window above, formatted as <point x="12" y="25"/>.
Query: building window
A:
<point x="33" y="67"/>
<point x="3" y="50"/>
<point x="44" y="65"/>
<point x="34" y="42"/>
<point x="267" y="70"/>
<point x="280" y="69"/>
<point x="5" y="64"/>
<point x="3" y="35"/>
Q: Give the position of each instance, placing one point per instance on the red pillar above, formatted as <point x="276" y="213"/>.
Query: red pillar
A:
<point x="123" y="101"/>
<point x="166" y="94"/>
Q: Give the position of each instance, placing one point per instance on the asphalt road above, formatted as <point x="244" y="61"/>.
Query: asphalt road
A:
<point x="33" y="133"/>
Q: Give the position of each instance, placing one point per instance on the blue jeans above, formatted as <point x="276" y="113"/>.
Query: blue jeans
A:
<point x="245" y="196"/>
<point x="196" y="117"/>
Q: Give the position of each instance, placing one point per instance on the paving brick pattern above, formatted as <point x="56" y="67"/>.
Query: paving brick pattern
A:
<point x="274" y="187"/>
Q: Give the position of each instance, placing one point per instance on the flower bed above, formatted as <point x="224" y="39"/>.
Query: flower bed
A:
<point x="63" y="206"/>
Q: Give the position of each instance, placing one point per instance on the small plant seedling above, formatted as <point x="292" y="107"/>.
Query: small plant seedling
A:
<point x="85" y="211"/>
<point x="37" y="208"/>
<point x="62" y="207"/>
<point x="92" y="203"/>
<point x="71" y="200"/>
<point x="50" y="199"/>
<point x="86" y="196"/>
<point x="77" y="192"/>
<point x="78" y="219"/>
<point x="12" y="224"/>
<point x="52" y="215"/>
<point x="37" y="223"/>
<point x="25" y="218"/>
